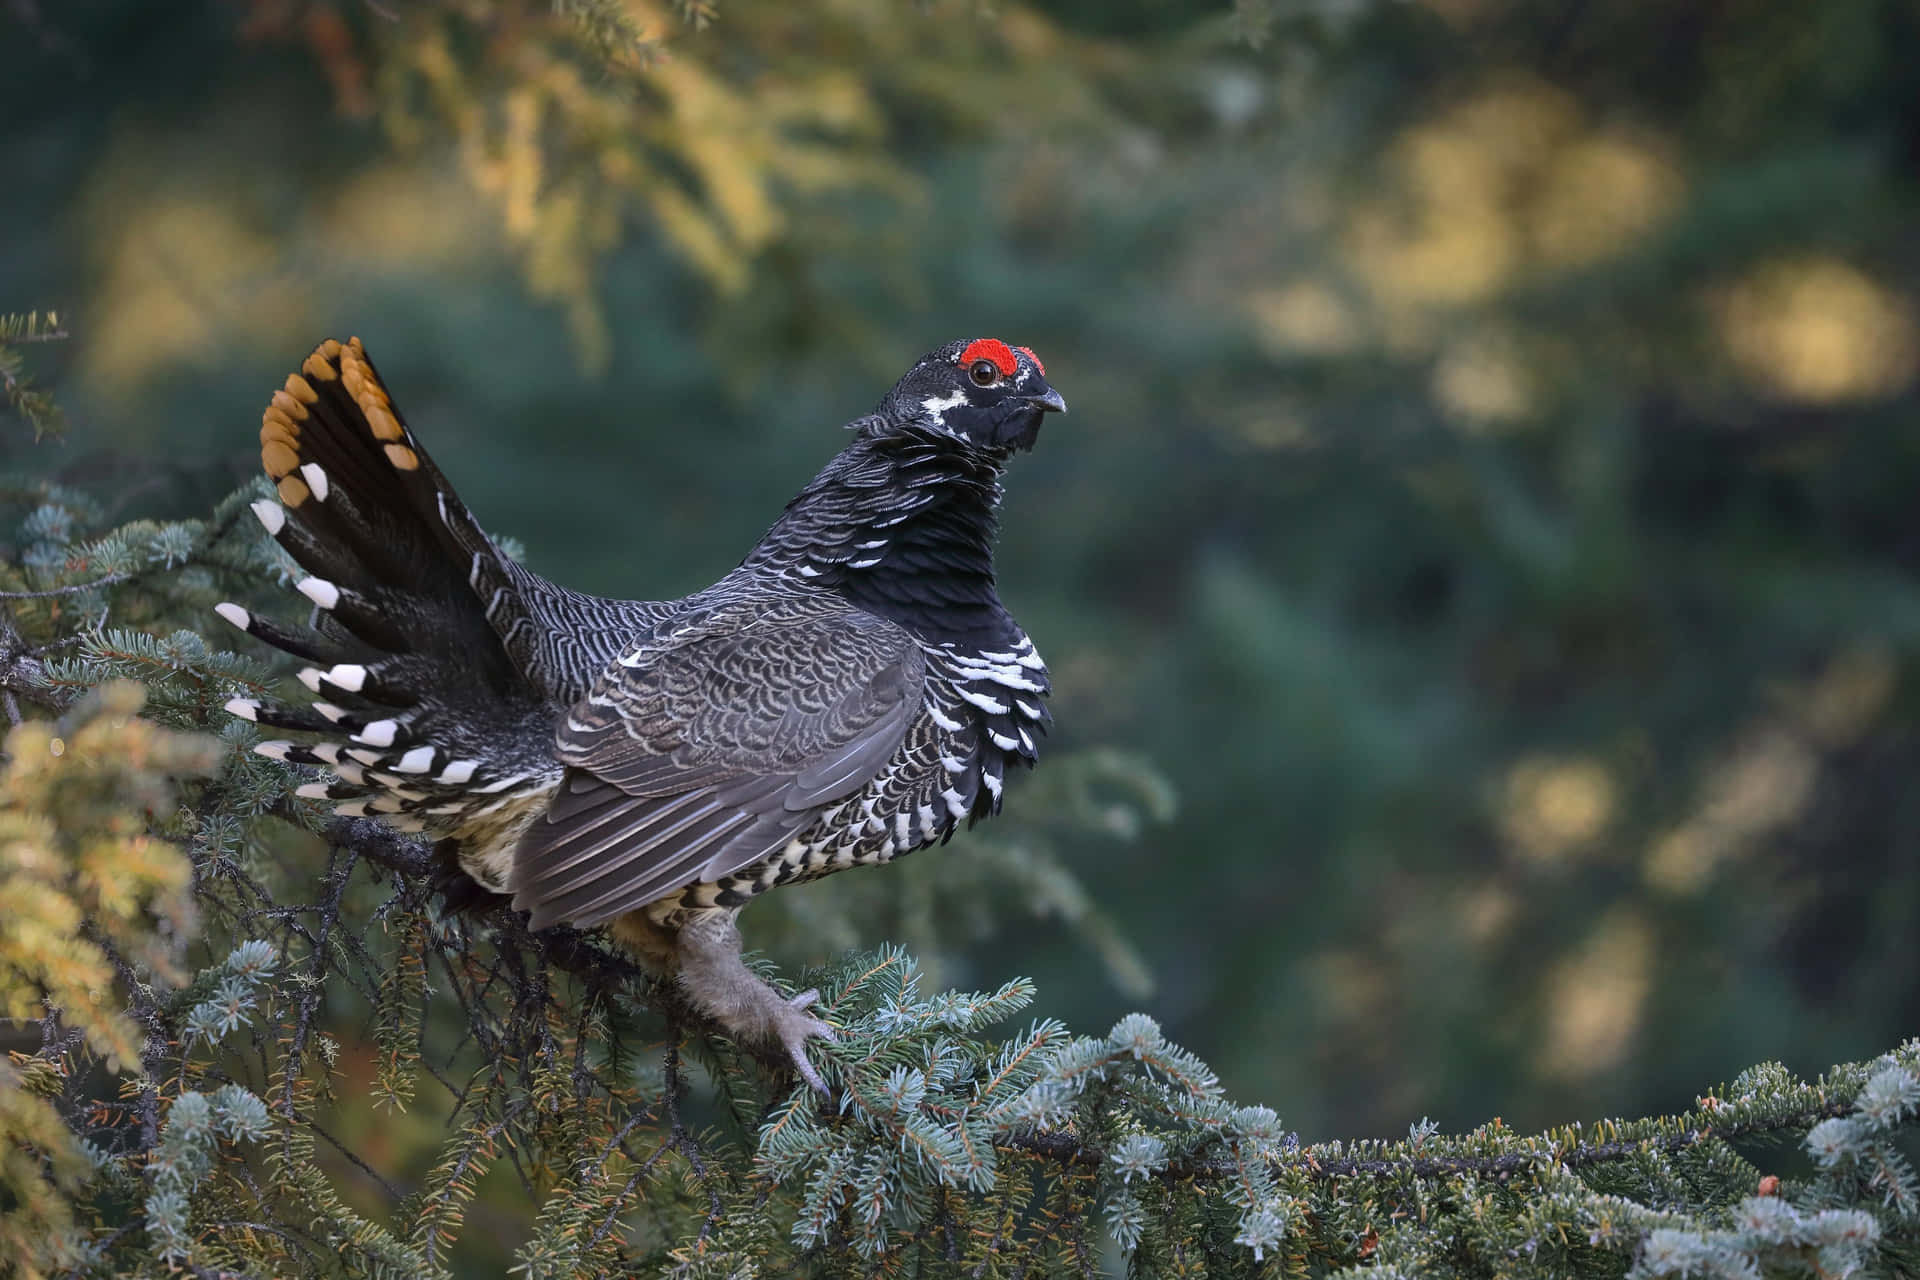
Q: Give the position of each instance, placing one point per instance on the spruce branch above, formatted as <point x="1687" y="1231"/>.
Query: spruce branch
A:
<point x="34" y="405"/>
<point x="1325" y="1163"/>
<point x="71" y="589"/>
<point x="322" y="969"/>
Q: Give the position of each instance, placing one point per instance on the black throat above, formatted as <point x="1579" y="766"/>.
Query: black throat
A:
<point x="902" y="524"/>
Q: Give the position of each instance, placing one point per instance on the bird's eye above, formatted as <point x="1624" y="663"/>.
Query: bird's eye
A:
<point x="984" y="373"/>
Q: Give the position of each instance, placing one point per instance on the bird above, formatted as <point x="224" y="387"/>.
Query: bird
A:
<point x="852" y="691"/>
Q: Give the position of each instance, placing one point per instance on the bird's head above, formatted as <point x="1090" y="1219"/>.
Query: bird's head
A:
<point x="979" y="391"/>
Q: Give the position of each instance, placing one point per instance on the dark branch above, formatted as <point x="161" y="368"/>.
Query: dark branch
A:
<point x="73" y="589"/>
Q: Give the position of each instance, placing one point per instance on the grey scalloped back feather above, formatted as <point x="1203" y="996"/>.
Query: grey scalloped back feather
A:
<point x="721" y="739"/>
<point x="849" y="693"/>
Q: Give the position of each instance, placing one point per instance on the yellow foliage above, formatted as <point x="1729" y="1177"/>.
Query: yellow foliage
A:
<point x="707" y="146"/>
<point x="1514" y="180"/>
<point x="572" y="143"/>
<point x="82" y="878"/>
<point x="78" y="870"/>
<point x="565" y="150"/>
<point x="177" y="267"/>
<point x="40" y="1165"/>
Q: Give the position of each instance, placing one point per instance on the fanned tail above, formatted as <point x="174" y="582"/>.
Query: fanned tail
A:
<point x="418" y="633"/>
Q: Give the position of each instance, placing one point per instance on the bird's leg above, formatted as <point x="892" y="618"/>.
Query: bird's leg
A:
<point x="721" y="986"/>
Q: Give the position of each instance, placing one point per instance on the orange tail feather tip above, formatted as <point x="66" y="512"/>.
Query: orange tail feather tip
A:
<point x="319" y="363"/>
<point x="279" y="456"/>
<point x="285" y="403"/>
<point x="345" y="364"/>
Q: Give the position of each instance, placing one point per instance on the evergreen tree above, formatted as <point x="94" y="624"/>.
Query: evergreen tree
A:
<point x="1504" y="475"/>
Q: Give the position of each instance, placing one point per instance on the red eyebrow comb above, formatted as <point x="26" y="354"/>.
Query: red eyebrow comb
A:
<point x="994" y="350"/>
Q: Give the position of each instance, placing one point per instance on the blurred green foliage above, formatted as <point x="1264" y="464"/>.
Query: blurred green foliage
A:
<point x="1488" y="496"/>
<point x="32" y="405"/>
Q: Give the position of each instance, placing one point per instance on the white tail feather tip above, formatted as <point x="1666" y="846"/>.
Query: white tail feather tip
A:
<point x="350" y="676"/>
<point x="272" y="516"/>
<point x="234" y="614"/>
<point x="316" y="479"/>
<point x="418" y="760"/>
<point x="311" y="791"/>
<point x="245" y="708"/>
<point x="310" y="678"/>
<point x="320" y="591"/>
<point x="458" y="771"/>
<point x="272" y="750"/>
<point x="380" y="733"/>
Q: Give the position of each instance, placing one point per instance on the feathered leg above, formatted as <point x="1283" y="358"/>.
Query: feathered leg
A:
<point x="721" y="986"/>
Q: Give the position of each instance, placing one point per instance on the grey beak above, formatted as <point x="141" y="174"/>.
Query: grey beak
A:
<point x="1052" y="402"/>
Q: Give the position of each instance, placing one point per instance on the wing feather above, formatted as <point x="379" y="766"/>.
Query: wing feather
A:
<point x="635" y="822"/>
<point x="710" y="747"/>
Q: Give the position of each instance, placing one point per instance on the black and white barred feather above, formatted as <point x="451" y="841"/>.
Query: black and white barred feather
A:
<point x="851" y="692"/>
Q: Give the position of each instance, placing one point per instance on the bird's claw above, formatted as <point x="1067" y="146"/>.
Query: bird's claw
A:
<point x="795" y="1028"/>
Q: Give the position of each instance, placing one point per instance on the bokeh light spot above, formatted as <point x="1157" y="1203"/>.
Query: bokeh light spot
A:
<point x="1554" y="808"/>
<point x="1304" y="318"/>
<point x="1482" y="381"/>
<point x="1595" y="997"/>
<point x="1819" y="330"/>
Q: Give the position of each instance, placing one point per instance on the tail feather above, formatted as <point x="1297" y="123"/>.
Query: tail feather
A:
<point x="379" y="619"/>
<point x="435" y="720"/>
<point x="321" y="717"/>
<point x="394" y="682"/>
<point x="336" y="538"/>
<point x="298" y="641"/>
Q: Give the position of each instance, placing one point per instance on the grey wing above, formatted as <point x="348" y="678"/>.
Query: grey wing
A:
<point x="710" y="750"/>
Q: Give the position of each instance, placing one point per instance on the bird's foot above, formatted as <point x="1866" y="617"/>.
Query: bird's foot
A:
<point x="794" y="1027"/>
<point x="720" y="985"/>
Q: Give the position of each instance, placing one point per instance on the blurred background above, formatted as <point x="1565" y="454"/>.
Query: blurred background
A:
<point x="1479" y="568"/>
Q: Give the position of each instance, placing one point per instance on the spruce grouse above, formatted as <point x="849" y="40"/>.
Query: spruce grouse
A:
<point x="848" y="694"/>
